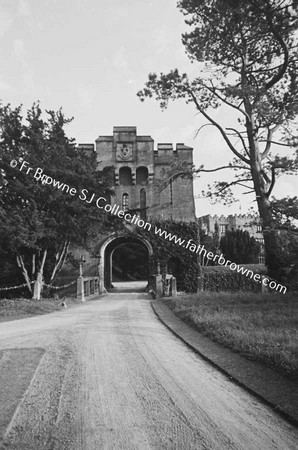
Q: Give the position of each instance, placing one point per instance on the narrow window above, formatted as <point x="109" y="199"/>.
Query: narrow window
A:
<point x="259" y="228"/>
<point x="125" y="202"/>
<point x="223" y="228"/>
<point x="143" y="204"/>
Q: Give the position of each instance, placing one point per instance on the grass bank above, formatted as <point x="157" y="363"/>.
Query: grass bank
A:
<point x="263" y="327"/>
<point x="19" y="308"/>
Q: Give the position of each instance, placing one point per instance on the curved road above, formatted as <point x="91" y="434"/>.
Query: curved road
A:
<point x="113" y="377"/>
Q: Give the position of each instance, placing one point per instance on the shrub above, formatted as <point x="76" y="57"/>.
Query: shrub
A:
<point x="219" y="278"/>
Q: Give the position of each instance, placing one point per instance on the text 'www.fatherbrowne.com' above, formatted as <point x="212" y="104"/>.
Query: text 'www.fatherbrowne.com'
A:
<point x="200" y="249"/>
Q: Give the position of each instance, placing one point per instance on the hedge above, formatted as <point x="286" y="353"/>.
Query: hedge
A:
<point x="219" y="278"/>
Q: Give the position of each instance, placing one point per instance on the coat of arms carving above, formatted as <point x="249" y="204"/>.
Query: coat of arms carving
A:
<point x="123" y="151"/>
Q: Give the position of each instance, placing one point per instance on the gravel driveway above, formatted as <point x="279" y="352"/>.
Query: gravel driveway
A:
<point x="113" y="377"/>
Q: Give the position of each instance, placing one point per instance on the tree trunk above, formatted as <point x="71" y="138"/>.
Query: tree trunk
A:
<point x="261" y="186"/>
<point x="38" y="285"/>
<point x="273" y="258"/>
<point x="21" y="264"/>
<point x="60" y="258"/>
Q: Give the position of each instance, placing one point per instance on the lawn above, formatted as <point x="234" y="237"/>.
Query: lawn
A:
<point x="263" y="327"/>
<point x="19" y="308"/>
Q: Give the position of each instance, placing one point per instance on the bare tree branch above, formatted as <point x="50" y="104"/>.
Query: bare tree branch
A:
<point x="268" y="141"/>
<point x="232" y="183"/>
<point x="231" y="166"/>
<point x="213" y="122"/>
<point x="241" y="139"/>
<point x="59" y="260"/>
<point x="20" y="263"/>
<point x="272" y="182"/>
<point x="215" y="92"/>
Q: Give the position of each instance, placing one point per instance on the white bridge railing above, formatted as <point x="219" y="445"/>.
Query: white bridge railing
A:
<point x="86" y="287"/>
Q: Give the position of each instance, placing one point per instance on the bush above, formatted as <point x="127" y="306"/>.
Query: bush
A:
<point x="219" y="278"/>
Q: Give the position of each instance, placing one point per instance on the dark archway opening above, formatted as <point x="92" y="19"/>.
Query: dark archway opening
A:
<point x="125" y="176"/>
<point x="126" y="264"/>
<point x="141" y="175"/>
<point x="130" y="263"/>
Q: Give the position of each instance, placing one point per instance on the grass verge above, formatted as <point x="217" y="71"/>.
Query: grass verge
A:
<point x="20" y="308"/>
<point x="263" y="327"/>
<point x="17" y="367"/>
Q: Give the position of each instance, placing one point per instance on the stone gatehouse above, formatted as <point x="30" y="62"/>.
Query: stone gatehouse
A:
<point x="141" y="183"/>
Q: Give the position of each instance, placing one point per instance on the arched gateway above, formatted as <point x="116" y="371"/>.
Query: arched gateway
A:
<point x="107" y="263"/>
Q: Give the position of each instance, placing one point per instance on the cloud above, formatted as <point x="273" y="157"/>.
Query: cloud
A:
<point x="120" y="61"/>
<point x="20" y="54"/>
<point x="85" y="95"/>
<point x="5" y="87"/>
<point x="6" y="20"/>
<point x="19" y="49"/>
<point x="24" y="8"/>
<point x="162" y="40"/>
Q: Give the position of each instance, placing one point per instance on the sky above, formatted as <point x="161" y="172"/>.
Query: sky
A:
<point x="90" y="57"/>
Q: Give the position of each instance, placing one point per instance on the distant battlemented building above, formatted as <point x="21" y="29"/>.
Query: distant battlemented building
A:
<point x="245" y="222"/>
<point x="138" y="169"/>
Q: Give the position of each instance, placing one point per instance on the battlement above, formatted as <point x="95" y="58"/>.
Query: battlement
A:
<point x="230" y="216"/>
<point x="125" y="130"/>
<point x="86" y="147"/>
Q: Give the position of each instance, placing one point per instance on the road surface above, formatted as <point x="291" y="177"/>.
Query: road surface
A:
<point x="113" y="377"/>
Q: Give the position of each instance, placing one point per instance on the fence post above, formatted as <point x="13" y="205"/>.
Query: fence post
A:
<point x="264" y="286"/>
<point x="158" y="286"/>
<point x="174" y="287"/>
<point x="200" y="280"/>
<point x="200" y="287"/>
<point x="80" y="288"/>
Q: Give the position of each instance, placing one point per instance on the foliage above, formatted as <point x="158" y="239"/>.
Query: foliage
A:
<point x="211" y="243"/>
<point x="173" y="258"/>
<point x="39" y="221"/>
<point x="238" y="246"/>
<point x="285" y="212"/>
<point x="247" y="53"/>
<point x="218" y="278"/>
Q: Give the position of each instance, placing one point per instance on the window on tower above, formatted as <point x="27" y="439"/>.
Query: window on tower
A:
<point x="141" y="175"/>
<point x="143" y="204"/>
<point x="125" y="177"/>
<point x="125" y="202"/>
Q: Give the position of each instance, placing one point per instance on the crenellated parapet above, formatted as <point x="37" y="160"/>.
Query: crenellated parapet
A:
<point x="223" y="217"/>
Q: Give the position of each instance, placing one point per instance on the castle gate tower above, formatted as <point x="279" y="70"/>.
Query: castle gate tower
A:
<point x="141" y="183"/>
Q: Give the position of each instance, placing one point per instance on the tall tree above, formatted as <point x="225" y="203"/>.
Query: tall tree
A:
<point x="250" y="49"/>
<point x="238" y="246"/>
<point x="39" y="219"/>
<point x="209" y="242"/>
